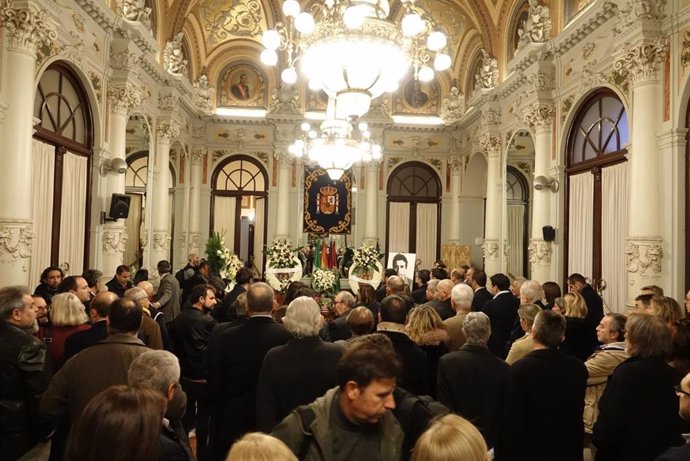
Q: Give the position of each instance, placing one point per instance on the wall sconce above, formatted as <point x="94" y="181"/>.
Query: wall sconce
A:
<point x="118" y="165"/>
<point x="542" y="182"/>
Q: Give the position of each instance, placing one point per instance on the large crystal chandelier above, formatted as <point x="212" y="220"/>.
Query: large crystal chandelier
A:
<point x="338" y="146"/>
<point x="351" y="50"/>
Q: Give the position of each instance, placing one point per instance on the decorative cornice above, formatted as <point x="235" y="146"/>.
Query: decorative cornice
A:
<point x="589" y="22"/>
<point x="642" y="60"/>
<point x="28" y="28"/>
<point x="643" y="255"/>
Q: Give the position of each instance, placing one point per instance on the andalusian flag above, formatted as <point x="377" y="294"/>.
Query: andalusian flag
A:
<point x="317" y="255"/>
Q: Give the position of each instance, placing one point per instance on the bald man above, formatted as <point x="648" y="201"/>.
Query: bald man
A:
<point x="441" y="302"/>
<point x="98" y="312"/>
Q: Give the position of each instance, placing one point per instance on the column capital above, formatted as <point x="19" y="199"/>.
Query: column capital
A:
<point x="284" y="159"/>
<point x="16" y="239"/>
<point x="161" y="240"/>
<point x="123" y="98"/>
<point x="456" y="164"/>
<point x="372" y="166"/>
<point x="167" y="130"/>
<point x="634" y="11"/>
<point x="28" y="28"/>
<point x="198" y="153"/>
<point x="539" y="115"/>
<point x="114" y="240"/>
<point x="540" y="251"/>
<point x="491" y="145"/>
<point x="644" y="256"/>
<point x="642" y="60"/>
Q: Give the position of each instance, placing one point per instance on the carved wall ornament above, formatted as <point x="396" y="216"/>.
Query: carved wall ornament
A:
<point x="240" y="18"/>
<point x="489" y="118"/>
<point x="174" y="59"/>
<point x="199" y="131"/>
<point x="641" y="61"/>
<point x="540" y="81"/>
<point x="198" y="153"/>
<point x="167" y="130"/>
<point x="380" y="107"/>
<point x="114" y="241"/>
<point x="643" y="256"/>
<point x="124" y="98"/>
<point x="539" y="251"/>
<point x="15" y="240"/>
<point x="539" y="115"/>
<point x="167" y="102"/>
<point x="632" y="11"/>
<point x="194" y="242"/>
<point x="123" y="60"/>
<point x="27" y="28"/>
<point x="486" y="76"/>
<point x="490" y="249"/>
<point x="203" y="94"/>
<point x="537" y="27"/>
<point x="285" y="101"/>
<point x="685" y="51"/>
<point x="135" y="11"/>
<point x="456" y="164"/>
<point x="453" y="107"/>
<point x="491" y="145"/>
<point x="455" y="145"/>
<point x="588" y="50"/>
<point x="161" y="241"/>
<point x="75" y="50"/>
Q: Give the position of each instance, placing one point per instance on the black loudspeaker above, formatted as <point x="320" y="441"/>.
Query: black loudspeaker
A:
<point x="119" y="206"/>
<point x="549" y="233"/>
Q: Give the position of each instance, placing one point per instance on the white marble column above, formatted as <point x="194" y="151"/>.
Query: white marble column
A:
<point x="644" y="245"/>
<point x="371" y="234"/>
<point x="491" y="145"/>
<point x="456" y="165"/>
<point x="26" y="29"/>
<point x="539" y="117"/>
<point x="166" y="130"/>
<point x="282" y="228"/>
<point x="194" y="237"/>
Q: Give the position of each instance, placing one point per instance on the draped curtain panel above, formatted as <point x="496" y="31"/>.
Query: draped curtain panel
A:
<point x="42" y="208"/>
<point x="133" y="228"/>
<point x="516" y="238"/>
<point x="399" y="227"/>
<point x="581" y="224"/>
<point x="224" y="220"/>
<point x="73" y="212"/>
<point x="259" y="224"/>
<point x="614" y="220"/>
<point x="426" y="233"/>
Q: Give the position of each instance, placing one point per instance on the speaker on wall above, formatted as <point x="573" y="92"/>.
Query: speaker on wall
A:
<point x="119" y="206"/>
<point x="549" y="233"/>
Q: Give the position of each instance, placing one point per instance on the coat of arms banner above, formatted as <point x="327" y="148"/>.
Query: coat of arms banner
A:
<point x="327" y="203"/>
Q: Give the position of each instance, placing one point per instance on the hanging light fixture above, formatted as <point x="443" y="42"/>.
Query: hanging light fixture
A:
<point x="336" y="148"/>
<point x="351" y="50"/>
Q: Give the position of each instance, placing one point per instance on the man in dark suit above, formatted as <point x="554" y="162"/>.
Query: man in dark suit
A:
<point x="419" y="295"/>
<point x="168" y="293"/>
<point x="471" y="381"/>
<point x="77" y="342"/>
<point x="380" y="292"/>
<point x="244" y="348"/>
<point x="595" y="305"/>
<point x="416" y="372"/>
<point x="481" y="294"/>
<point x="441" y="302"/>
<point x="545" y="390"/>
<point x="243" y="280"/>
<point x="338" y="330"/>
<point x="120" y="282"/>
<point x="502" y="311"/>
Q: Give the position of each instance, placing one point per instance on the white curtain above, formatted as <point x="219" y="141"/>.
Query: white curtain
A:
<point x="426" y="233"/>
<point x="399" y="227"/>
<point x="42" y="208"/>
<point x="516" y="237"/>
<point x="133" y="226"/>
<point x="224" y="219"/>
<point x="73" y="212"/>
<point x="614" y="217"/>
<point x="580" y="224"/>
<point x="259" y="224"/>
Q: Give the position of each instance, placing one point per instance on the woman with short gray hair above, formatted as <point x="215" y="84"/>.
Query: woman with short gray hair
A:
<point x="298" y="372"/>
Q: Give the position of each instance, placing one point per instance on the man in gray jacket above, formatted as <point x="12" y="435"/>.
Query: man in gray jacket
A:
<point x="353" y="420"/>
<point x="168" y="293"/>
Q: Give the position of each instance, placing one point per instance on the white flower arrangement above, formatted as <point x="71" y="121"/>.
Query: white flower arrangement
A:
<point x="323" y="280"/>
<point x="365" y="259"/>
<point x="281" y="254"/>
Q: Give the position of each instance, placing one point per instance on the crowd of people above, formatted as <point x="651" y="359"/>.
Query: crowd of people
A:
<point x="458" y="366"/>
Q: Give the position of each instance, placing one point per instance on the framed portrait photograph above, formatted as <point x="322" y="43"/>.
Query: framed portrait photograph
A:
<point x="403" y="263"/>
<point x="241" y="85"/>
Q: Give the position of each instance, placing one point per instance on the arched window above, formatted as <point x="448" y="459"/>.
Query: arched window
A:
<point x="239" y="206"/>
<point x="517" y="196"/>
<point x="414" y="212"/>
<point x="62" y="155"/>
<point x="597" y="193"/>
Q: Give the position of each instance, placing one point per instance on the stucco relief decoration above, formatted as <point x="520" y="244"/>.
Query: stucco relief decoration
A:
<point x="285" y="100"/>
<point x="203" y="94"/>
<point x="199" y="131"/>
<point x="167" y="130"/>
<point x="161" y="241"/>
<point x="453" y="107"/>
<point x="15" y="241"/>
<point x="685" y="51"/>
<point x="222" y="19"/>
<point x="167" y="102"/>
<point x="417" y="97"/>
<point x="491" y="145"/>
<point x="380" y="107"/>
<point x="486" y="76"/>
<point x="539" y="115"/>
<point x="75" y="49"/>
<point x="123" y="60"/>
<point x="124" y="98"/>
<point x="27" y="28"/>
<point x="456" y="164"/>
<point x="643" y="257"/>
<point x="174" y="59"/>
<point x="539" y="252"/>
<point x="114" y="241"/>
<point x="635" y="10"/>
<point x="641" y="61"/>
<point x="241" y="85"/>
<point x="490" y="249"/>
<point x="537" y="27"/>
<point x="136" y="11"/>
<point x="490" y="118"/>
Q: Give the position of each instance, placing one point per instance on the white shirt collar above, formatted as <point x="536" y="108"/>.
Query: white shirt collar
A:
<point x="500" y="293"/>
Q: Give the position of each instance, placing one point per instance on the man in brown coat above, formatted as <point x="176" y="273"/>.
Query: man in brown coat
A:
<point x="150" y="331"/>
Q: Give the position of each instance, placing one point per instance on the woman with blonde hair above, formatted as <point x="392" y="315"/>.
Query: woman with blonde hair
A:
<point x="256" y="446"/>
<point x="67" y="316"/>
<point x="523" y="346"/>
<point x="667" y="309"/>
<point x="450" y="438"/>
<point x="577" y="342"/>
<point x="426" y="329"/>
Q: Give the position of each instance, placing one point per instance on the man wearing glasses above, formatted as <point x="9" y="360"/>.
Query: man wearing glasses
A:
<point x="683" y="452"/>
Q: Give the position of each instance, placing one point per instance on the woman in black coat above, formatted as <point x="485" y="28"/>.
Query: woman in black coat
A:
<point x="638" y="412"/>
<point x="577" y="335"/>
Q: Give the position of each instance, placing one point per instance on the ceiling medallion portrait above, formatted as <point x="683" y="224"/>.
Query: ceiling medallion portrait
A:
<point x="241" y="85"/>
